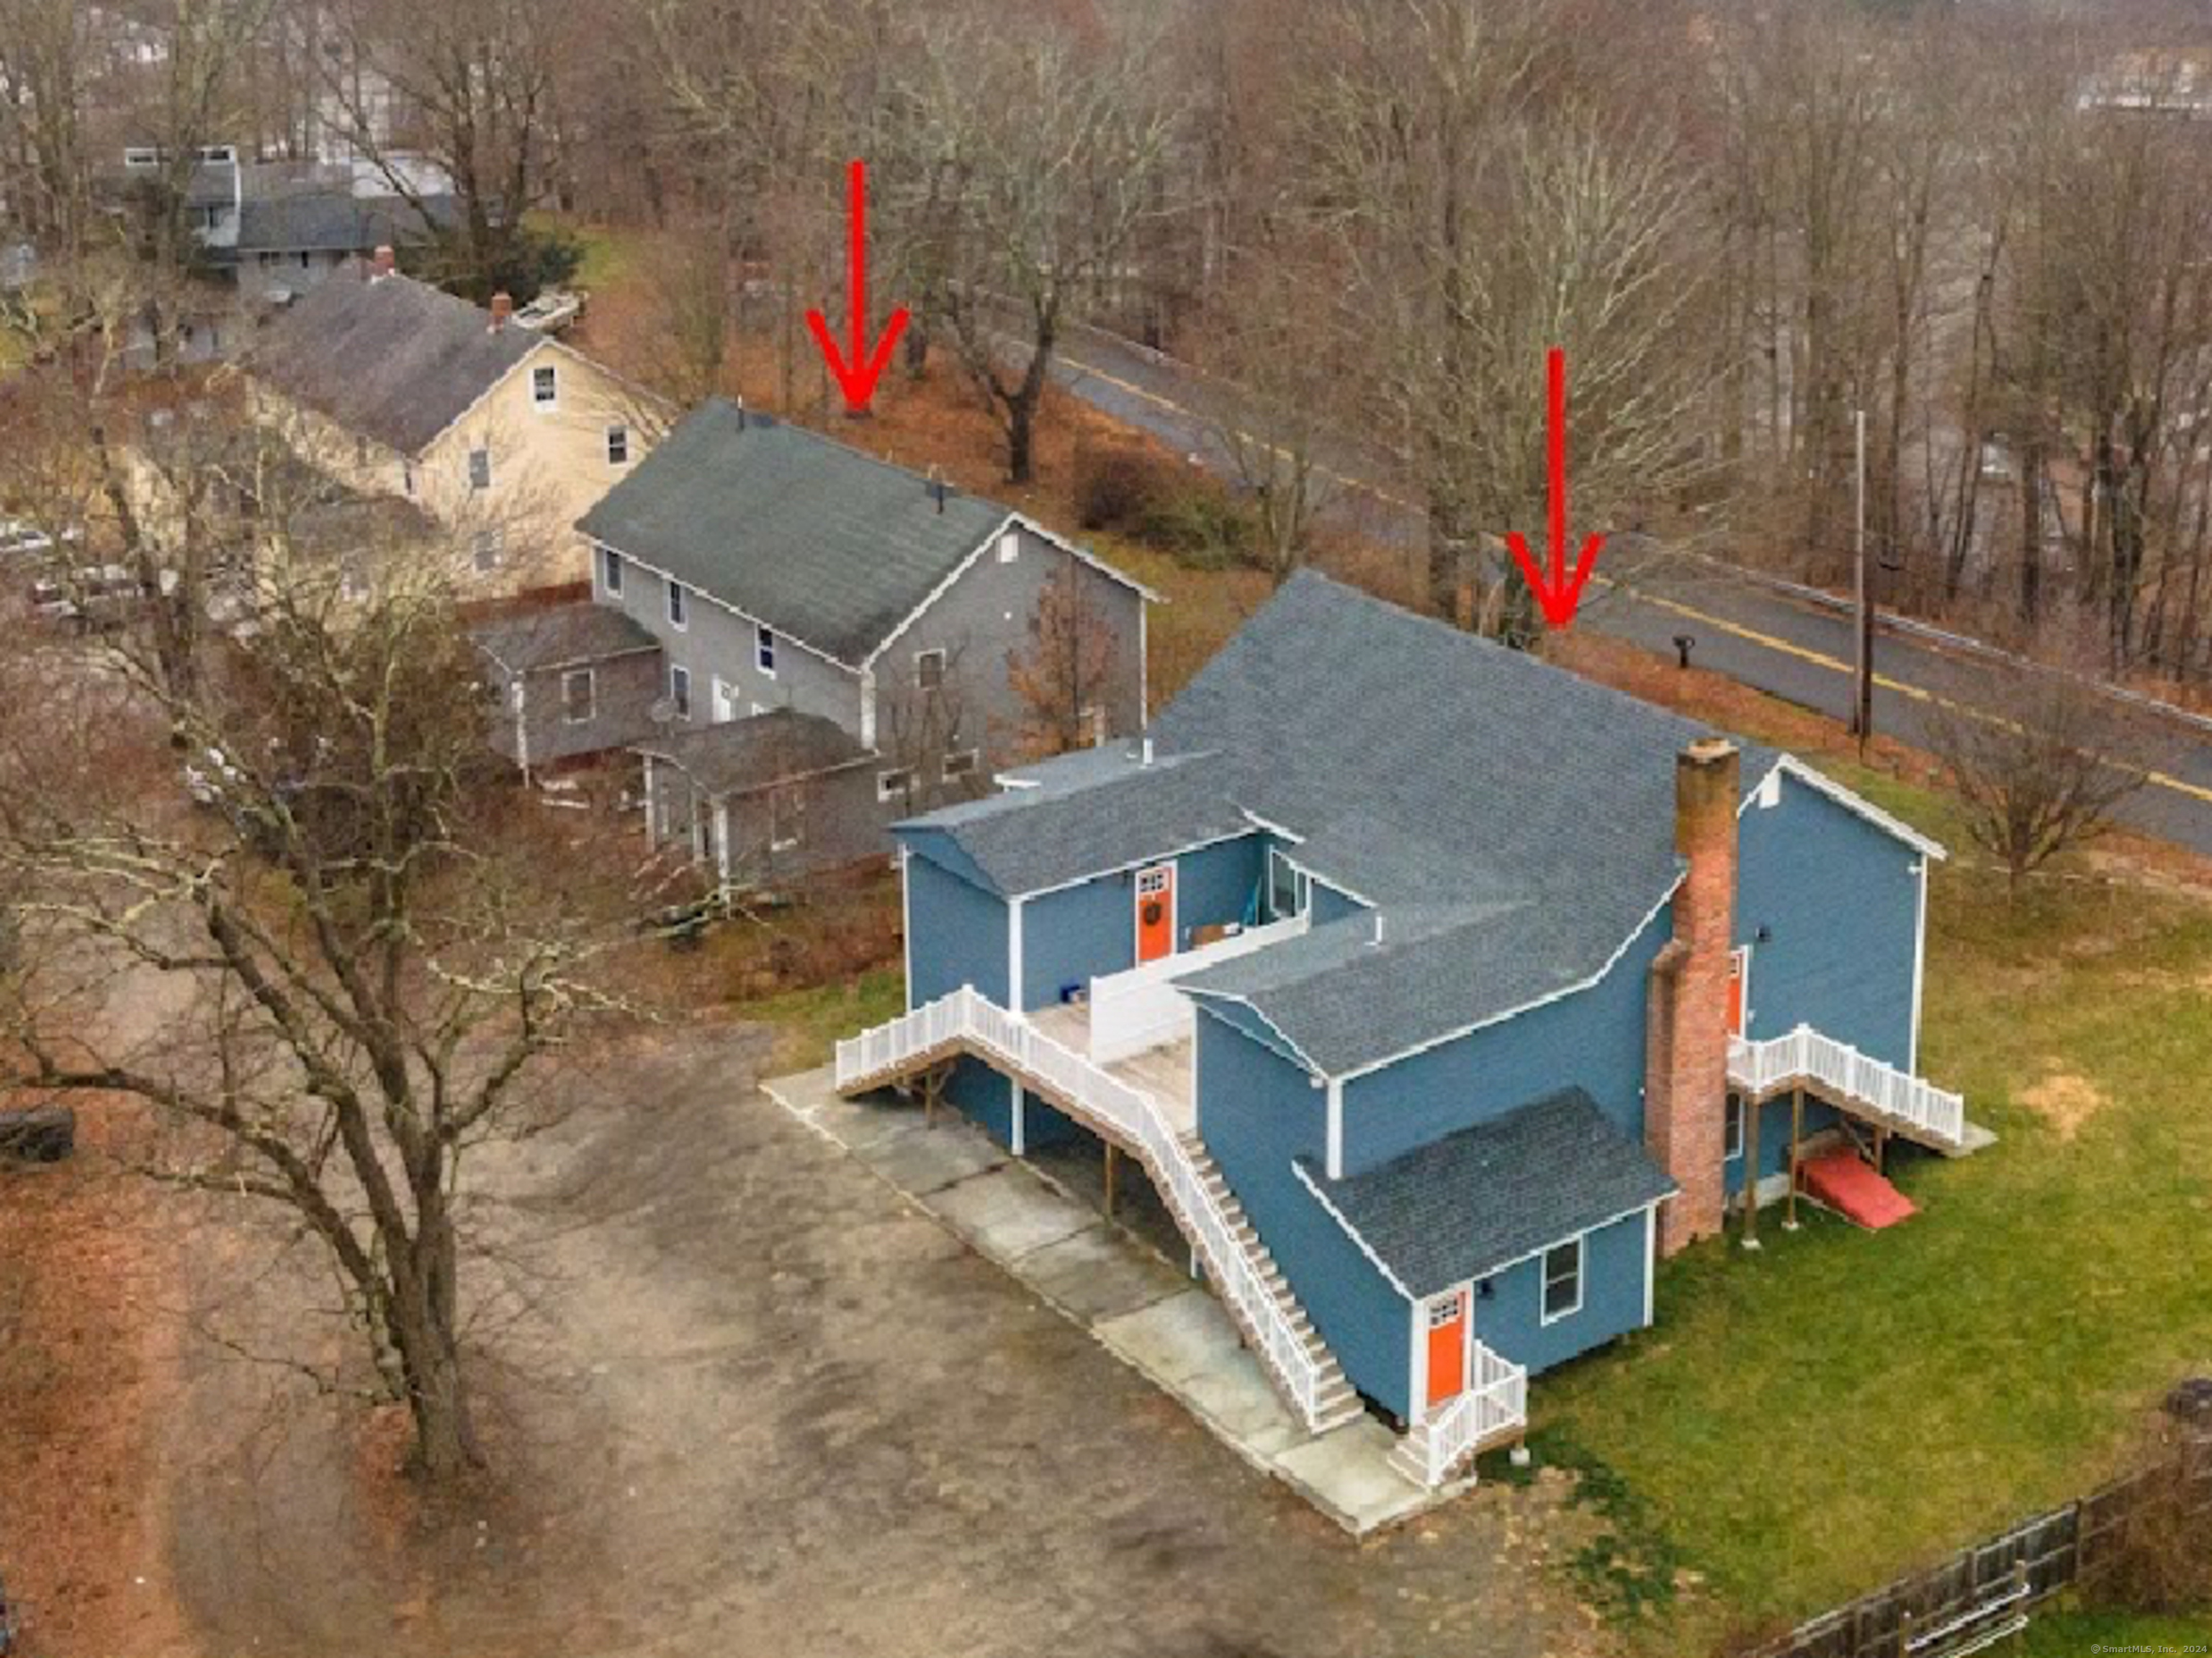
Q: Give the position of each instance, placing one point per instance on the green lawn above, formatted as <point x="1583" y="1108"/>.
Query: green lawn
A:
<point x="2078" y="1635"/>
<point x="813" y="1019"/>
<point x="1806" y="1423"/>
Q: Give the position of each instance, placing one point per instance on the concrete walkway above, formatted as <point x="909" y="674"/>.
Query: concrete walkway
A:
<point x="1146" y="1312"/>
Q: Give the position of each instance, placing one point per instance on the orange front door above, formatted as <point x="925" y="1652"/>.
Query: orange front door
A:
<point x="1739" y="982"/>
<point x="1154" y="913"/>
<point x="1446" y="1348"/>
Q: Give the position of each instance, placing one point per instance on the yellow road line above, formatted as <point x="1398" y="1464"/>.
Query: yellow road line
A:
<point x="1766" y="640"/>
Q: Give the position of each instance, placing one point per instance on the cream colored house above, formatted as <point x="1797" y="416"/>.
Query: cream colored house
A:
<point x="503" y="437"/>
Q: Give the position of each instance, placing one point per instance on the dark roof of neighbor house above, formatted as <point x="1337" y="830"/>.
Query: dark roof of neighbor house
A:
<point x="391" y="359"/>
<point x="1477" y="1200"/>
<point x="561" y="635"/>
<point x="334" y="222"/>
<point x="779" y="746"/>
<point x="825" y="544"/>
<point x="1511" y="822"/>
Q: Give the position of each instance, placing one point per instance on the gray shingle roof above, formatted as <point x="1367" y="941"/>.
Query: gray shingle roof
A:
<point x="776" y="747"/>
<point x="394" y="360"/>
<point x="1513" y="822"/>
<point x="1460" y="1207"/>
<point x="332" y="222"/>
<point x="828" y="545"/>
<point x="561" y="634"/>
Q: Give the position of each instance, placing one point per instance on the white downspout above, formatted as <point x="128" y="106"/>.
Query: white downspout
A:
<point x="1017" y="1135"/>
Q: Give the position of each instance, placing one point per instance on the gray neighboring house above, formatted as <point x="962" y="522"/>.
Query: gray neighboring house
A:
<point x="569" y="681"/>
<point x="765" y="798"/>
<point x="781" y="570"/>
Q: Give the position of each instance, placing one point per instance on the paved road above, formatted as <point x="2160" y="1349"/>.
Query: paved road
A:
<point x="1787" y="647"/>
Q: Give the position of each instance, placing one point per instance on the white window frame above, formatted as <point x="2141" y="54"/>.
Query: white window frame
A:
<point x="1300" y="886"/>
<point x="1010" y="547"/>
<point x="618" y="438"/>
<point x="610" y="570"/>
<point x="764" y="649"/>
<point x="921" y="675"/>
<point x="1732" y="1127"/>
<point x="549" y="375"/>
<point x="483" y="451"/>
<point x="679" y="606"/>
<point x="967" y="760"/>
<point x="568" y="715"/>
<point x="488" y="550"/>
<point x="777" y="841"/>
<point x="678" y="675"/>
<point x="1544" y="1279"/>
<point x="892" y="785"/>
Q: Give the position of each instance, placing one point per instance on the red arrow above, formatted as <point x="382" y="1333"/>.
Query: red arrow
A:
<point x="859" y="375"/>
<point x="1561" y="595"/>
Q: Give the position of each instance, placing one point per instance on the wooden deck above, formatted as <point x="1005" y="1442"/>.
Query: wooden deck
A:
<point x="1163" y="1073"/>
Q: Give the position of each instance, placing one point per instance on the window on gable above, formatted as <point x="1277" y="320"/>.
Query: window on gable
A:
<point x="579" y="696"/>
<point x="611" y="569"/>
<point x="1563" y="1280"/>
<point x="1010" y="547"/>
<point x="678" y="616"/>
<point x="764" y="651"/>
<point x="544" y="386"/>
<point x="679" y="690"/>
<point x="619" y="445"/>
<point x="893" y="785"/>
<point x="929" y="669"/>
<point x="480" y="469"/>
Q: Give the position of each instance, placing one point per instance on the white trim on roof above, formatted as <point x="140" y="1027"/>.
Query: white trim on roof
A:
<point x="1546" y="1000"/>
<point x="1274" y="829"/>
<point x="1823" y="784"/>
<point x="1352" y="1232"/>
<point x="1296" y="1052"/>
<point x="987" y="544"/>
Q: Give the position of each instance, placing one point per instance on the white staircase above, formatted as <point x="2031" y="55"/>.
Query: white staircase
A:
<point x="1857" y="1082"/>
<point x="1237" y="1263"/>
<point x="1493" y="1409"/>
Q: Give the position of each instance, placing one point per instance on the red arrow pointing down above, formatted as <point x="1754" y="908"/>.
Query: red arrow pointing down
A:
<point x="858" y="377"/>
<point x="1560" y="594"/>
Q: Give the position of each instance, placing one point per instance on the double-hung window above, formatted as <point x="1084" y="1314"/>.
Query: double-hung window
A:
<point x="679" y="690"/>
<point x="545" y="386"/>
<point x="579" y="696"/>
<point x="619" y="445"/>
<point x="678" y="616"/>
<point x="764" y="651"/>
<point x="610" y="570"/>
<point x="1563" y="1280"/>
<point x="480" y="469"/>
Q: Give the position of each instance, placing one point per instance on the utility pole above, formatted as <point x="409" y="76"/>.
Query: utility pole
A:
<point x="1862" y="607"/>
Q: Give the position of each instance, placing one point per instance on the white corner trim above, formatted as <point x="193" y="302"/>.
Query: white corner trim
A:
<point x="1650" y="1260"/>
<point x="905" y="921"/>
<point x="1014" y="955"/>
<point x="1919" y="964"/>
<point x="1335" y="1128"/>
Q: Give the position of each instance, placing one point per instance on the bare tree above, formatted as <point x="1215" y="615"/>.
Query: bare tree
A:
<point x="922" y="723"/>
<point x="2042" y="777"/>
<point x="1063" y="676"/>
<point x="1021" y="172"/>
<point x="366" y="980"/>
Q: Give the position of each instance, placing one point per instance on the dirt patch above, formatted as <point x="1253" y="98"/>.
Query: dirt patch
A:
<point x="87" y="1360"/>
<point x="2065" y="1100"/>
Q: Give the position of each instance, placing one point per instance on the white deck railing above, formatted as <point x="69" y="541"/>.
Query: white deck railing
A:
<point x="1806" y="1056"/>
<point x="1495" y="1403"/>
<point x="1140" y="1007"/>
<point x="1133" y="1115"/>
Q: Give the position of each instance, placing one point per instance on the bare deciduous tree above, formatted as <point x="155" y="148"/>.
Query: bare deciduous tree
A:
<point x="1064" y="675"/>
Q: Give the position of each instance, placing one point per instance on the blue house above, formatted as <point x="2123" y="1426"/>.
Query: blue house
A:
<point x="1439" y="992"/>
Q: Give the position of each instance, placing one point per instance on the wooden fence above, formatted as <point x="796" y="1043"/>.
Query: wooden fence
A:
<point x="1986" y="1591"/>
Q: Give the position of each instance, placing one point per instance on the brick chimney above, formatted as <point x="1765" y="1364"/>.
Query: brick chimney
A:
<point x="503" y="307"/>
<point x="1685" y="1033"/>
<point x="383" y="264"/>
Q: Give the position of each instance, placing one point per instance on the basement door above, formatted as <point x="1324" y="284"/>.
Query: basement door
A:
<point x="1156" y="913"/>
<point x="1447" y="1346"/>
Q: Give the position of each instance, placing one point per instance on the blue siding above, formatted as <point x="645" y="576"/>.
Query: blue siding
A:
<point x="1256" y="1111"/>
<point x="1330" y="904"/>
<point x="959" y="937"/>
<point x="1509" y="1318"/>
<point x="1593" y="1038"/>
<point x="1075" y="934"/>
<point x="1774" y="1138"/>
<point x="1839" y="899"/>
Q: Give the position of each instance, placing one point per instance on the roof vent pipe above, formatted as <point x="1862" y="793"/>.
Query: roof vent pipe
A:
<point x="1377" y="940"/>
<point x="936" y="486"/>
<point x="741" y="414"/>
<point x="1146" y="751"/>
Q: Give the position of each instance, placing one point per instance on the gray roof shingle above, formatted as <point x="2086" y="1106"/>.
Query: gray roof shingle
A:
<point x="828" y="545"/>
<point x="394" y="360"/>
<point x="1512" y="822"/>
<point x="333" y="222"/>
<point x="1462" y="1206"/>
<point x="560" y="634"/>
<point x="776" y="747"/>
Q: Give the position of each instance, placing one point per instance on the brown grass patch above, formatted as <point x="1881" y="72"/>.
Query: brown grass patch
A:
<point x="2064" y="1100"/>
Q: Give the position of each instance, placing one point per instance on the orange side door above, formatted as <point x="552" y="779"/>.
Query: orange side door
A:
<point x="1739" y="971"/>
<point x="1154" y="913"/>
<point x="1447" y="1348"/>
